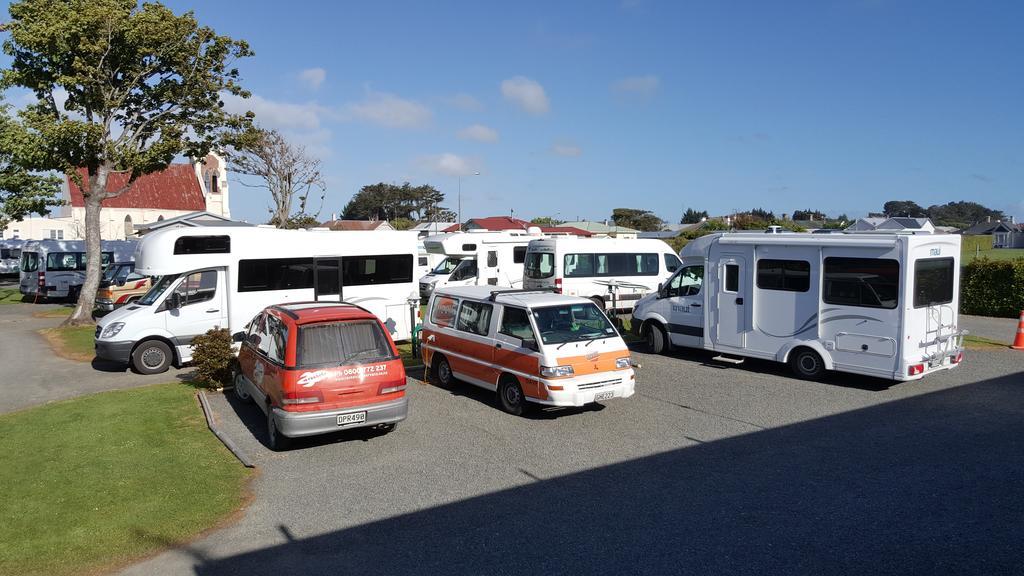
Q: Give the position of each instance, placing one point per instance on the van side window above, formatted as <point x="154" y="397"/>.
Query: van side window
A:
<point x="515" y="322"/>
<point x="442" y="312"/>
<point x="474" y="317"/>
<point x="492" y="258"/>
<point x="687" y="283"/>
<point x="732" y="277"/>
<point x="785" y="275"/>
<point x="197" y="287"/>
<point x="262" y="342"/>
<point x="864" y="282"/>
<point x="672" y="263"/>
<point x="518" y="254"/>
<point x="278" y="339"/>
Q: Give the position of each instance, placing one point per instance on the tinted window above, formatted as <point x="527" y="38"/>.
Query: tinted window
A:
<point x="672" y="263"/>
<point x="613" y="264"/>
<point x="732" y="277"/>
<point x="518" y="254"/>
<point x="202" y="245"/>
<point x="933" y="282"/>
<point x="515" y="322"/>
<point x="578" y="265"/>
<point x="297" y="273"/>
<point x="866" y="282"/>
<point x="29" y="261"/>
<point x="197" y="287"/>
<point x="492" y="258"/>
<point x="475" y="318"/>
<point x="63" y="261"/>
<point x="340" y="343"/>
<point x="539" y="265"/>
<point x="469" y="247"/>
<point x="787" y="275"/>
<point x="383" y="269"/>
<point x="465" y="270"/>
<point x="275" y="274"/>
<point x="278" y="339"/>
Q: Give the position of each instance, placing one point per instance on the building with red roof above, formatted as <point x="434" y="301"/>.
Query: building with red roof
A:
<point x="181" y="189"/>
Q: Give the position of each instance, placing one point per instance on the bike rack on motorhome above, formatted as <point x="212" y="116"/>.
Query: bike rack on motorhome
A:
<point x="876" y="304"/>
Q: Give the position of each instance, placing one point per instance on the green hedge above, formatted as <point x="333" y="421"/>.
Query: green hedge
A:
<point x="992" y="288"/>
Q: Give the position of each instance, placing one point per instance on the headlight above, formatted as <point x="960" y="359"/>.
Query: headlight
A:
<point x="112" y="329"/>
<point x="622" y="363"/>
<point x="556" y="371"/>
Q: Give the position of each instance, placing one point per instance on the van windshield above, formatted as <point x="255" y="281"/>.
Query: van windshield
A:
<point x="465" y="270"/>
<point x="340" y="343"/>
<point x="571" y="323"/>
<point x="29" y="261"/>
<point x="160" y="286"/>
<point x="539" y="265"/>
<point x="446" y="266"/>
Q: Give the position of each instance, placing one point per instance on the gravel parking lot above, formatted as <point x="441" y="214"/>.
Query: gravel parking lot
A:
<point x="707" y="469"/>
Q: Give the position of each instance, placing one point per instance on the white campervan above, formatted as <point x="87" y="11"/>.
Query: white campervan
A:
<point x="10" y="256"/>
<point x="223" y="276"/>
<point x="477" y="258"/>
<point x="876" y="304"/>
<point x="56" y="268"/>
<point x="613" y="272"/>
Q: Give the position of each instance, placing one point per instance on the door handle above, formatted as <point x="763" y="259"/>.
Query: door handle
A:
<point x="431" y="338"/>
<point x="695" y="305"/>
<point x="497" y="345"/>
<point x="739" y="301"/>
<point x="212" y="310"/>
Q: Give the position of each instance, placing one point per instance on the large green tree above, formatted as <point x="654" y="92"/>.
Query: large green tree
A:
<point x="22" y="192"/>
<point x="383" y="201"/>
<point x="904" y="208"/>
<point x="962" y="214"/>
<point x="121" y="87"/>
<point x="643" y="220"/>
<point x="692" y="216"/>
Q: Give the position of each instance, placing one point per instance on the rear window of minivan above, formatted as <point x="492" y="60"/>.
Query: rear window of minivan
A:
<point x="339" y="343"/>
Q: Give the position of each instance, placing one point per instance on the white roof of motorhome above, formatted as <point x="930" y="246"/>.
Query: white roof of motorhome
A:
<point x="524" y="298"/>
<point x="603" y="243"/>
<point x="452" y="242"/>
<point x="699" y="246"/>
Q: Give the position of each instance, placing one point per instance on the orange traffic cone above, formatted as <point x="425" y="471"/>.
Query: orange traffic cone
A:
<point x="1018" y="342"/>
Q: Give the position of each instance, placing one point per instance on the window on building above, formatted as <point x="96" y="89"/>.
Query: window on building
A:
<point x="785" y="275"/>
<point x="864" y="282"/>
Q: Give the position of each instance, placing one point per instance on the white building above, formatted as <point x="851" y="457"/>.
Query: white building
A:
<point x="179" y="190"/>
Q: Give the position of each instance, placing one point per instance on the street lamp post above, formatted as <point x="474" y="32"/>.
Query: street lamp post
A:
<point x="460" y="199"/>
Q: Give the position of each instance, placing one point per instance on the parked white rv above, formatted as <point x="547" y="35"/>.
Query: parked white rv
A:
<point x="477" y="258"/>
<point x="881" y="305"/>
<point x="425" y="261"/>
<point x="56" y="268"/>
<point x="223" y="276"/>
<point x="10" y="256"/>
<point x="606" y="270"/>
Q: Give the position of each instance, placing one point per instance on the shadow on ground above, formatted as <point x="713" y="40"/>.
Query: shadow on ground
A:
<point x="927" y="485"/>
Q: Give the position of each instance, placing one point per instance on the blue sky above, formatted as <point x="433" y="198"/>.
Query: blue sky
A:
<point x="574" y="108"/>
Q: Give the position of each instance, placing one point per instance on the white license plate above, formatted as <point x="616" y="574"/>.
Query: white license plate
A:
<point x="603" y="396"/>
<point x="354" y="418"/>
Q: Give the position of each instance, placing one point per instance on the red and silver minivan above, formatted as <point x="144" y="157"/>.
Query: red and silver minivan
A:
<point x="319" y="367"/>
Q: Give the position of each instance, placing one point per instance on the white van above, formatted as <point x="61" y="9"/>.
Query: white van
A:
<point x="56" y="268"/>
<point x="223" y="276"/>
<point x="477" y="258"/>
<point x="10" y="256"/>
<point x="613" y="272"/>
<point x="881" y="305"/>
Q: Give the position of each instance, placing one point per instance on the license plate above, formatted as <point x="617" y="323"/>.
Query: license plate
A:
<point x="354" y="418"/>
<point x="934" y="363"/>
<point x="603" y="396"/>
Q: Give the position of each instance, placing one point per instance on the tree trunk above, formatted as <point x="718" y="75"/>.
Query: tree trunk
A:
<point x="94" y="263"/>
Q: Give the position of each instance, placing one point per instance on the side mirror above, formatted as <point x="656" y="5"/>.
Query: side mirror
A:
<point x="238" y="337"/>
<point x="174" y="301"/>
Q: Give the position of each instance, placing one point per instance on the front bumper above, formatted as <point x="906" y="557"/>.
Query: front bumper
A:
<point x="425" y="290"/>
<point x="105" y="305"/>
<point x="119" y="352"/>
<point x="296" y="424"/>
<point x="582" y="390"/>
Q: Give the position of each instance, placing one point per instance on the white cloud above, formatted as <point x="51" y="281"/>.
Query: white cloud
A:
<point x="313" y="77"/>
<point x="390" y="111"/>
<point x="465" y="102"/>
<point x="279" y="115"/>
<point x="526" y="93"/>
<point x="479" y="132"/>
<point x="637" y="85"/>
<point x="567" y="149"/>
<point x="449" y="164"/>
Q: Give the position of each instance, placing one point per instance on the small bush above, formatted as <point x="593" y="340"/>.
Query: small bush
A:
<point x="212" y="358"/>
<point x="992" y="287"/>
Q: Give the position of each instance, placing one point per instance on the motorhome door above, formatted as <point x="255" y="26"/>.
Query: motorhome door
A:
<point x="732" y="301"/>
<point x="327" y="278"/>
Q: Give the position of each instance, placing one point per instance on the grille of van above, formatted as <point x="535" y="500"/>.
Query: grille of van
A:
<point x="600" y="384"/>
<point x="98" y="330"/>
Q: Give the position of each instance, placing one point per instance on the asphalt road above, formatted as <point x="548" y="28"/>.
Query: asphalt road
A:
<point x="707" y="469"/>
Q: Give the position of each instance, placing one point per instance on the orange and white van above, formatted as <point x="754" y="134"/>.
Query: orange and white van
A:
<point x="526" y="345"/>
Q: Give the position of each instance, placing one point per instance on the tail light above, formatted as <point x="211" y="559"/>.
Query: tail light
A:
<point x="915" y="369"/>
<point x="558" y="285"/>
<point x="391" y="387"/>
<point x="302" y="397"/>
<point x="42" y="279"/>
<point x="958" y="358"/>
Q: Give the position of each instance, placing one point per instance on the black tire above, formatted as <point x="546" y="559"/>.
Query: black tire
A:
<point x="442" y="372"/>
<point x="278" y="442"/>
<point x="152" y="357"/>
<point x="240" y="392"/>
<point x="510" y="396"/>
<point x="657" y="340"/>
<point x="73" y="294"/>
<point x="599" y="302"/>
<point x="807" y="364"/>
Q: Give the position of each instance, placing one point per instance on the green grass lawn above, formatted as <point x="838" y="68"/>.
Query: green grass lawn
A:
<point x="981" y="246"/>
<point x="980" y="342"/>
<point x="74" y="342"/>
<point x="10" y="296"/>
<point x="97" y="481"/>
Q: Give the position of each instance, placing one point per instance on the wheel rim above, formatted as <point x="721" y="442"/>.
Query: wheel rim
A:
<point x="512" y="395"/>
<point x="444" y="371"/>
<point x="153" y="358"/>
<point x="238" y="386"/>
<point x="808" y="364"/>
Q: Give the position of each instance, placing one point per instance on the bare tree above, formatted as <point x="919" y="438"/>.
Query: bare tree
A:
<point x="283" y="168"/>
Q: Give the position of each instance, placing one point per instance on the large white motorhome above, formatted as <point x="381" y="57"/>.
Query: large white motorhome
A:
<point x="477" y="258"/>
<point x="56" y="268"/>
<point x="876" y="304"/>
<point x="10" y="256"/>
<point x="223" y="276"/>
<point x="613" y="272"/>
